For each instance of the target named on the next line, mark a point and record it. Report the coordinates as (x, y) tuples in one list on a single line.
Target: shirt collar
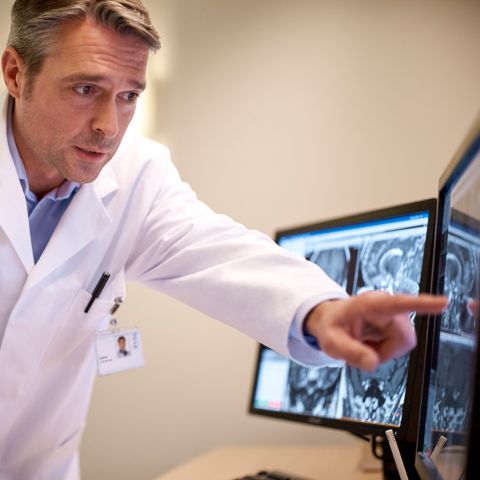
[(64, 191)]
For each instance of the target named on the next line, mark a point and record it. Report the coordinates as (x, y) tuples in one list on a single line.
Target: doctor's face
[(70, 120)]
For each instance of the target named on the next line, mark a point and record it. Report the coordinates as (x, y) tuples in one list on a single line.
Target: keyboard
[(271, 475)]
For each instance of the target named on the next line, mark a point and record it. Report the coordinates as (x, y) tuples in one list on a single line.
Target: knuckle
[(328, 343), (369, 300)]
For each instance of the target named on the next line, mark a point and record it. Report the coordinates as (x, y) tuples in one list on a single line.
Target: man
[(84, 197), (122, 347)]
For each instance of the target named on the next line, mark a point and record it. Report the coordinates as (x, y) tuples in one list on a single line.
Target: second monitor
[(385, 250)]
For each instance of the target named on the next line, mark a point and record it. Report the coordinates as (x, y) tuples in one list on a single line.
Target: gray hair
[(34, 24)]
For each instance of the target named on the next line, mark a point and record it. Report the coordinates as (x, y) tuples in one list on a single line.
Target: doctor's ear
[(14, 73)]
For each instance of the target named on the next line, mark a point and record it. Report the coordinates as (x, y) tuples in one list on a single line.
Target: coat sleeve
[(208, 261)]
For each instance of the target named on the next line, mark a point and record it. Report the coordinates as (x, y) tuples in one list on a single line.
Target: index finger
[(389, 305)]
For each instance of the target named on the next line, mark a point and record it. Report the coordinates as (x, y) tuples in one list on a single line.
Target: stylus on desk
[(396, 455), (438, 448)]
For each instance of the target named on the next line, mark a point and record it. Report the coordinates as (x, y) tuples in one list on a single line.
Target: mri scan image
[(313, 391), (450, 384), (389, 263), (460, 286), (334, 262), (451, 405), (376, 397), (348, 393), (393, 265)]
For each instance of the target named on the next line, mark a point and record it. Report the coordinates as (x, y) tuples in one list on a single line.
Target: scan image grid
[(450, 386), (386, 261)]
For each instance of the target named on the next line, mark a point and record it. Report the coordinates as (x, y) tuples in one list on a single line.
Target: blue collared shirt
[(43, 215)]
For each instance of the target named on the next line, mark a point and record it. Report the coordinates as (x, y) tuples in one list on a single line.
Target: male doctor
[(79, 197)]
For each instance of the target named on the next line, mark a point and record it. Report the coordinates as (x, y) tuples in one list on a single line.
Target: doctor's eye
[(84, 90), (130, 97)]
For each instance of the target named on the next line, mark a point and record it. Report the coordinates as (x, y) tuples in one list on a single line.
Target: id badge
[(118, 350)]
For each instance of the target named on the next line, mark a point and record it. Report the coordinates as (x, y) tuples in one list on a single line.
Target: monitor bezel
[(463, 157), (408, 428)]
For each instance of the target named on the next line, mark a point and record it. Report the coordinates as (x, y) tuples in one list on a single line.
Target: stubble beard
[(78, 171), (73, 168)]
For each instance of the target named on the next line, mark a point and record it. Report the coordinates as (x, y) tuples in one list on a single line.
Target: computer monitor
[(472, 468), (389, 250), (452, 338)]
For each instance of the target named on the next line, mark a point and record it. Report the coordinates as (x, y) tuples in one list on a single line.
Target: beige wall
[(278, 112)]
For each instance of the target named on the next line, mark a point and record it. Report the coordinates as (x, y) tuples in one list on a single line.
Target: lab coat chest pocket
[(77, 331)]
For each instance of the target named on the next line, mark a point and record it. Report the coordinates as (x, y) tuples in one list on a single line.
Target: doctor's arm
[(368, 329), (242, 278)]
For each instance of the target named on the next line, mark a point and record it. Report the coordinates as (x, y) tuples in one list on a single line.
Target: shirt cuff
[(304, 348)]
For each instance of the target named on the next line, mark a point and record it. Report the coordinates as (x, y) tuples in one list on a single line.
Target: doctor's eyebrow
[(88, 78)]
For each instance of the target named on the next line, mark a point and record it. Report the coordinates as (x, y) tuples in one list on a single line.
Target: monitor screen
[(387, 250), (448, 398), (472, 470)]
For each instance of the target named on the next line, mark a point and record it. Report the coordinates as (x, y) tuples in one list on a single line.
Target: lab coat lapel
[(13, 207), (84, 220)]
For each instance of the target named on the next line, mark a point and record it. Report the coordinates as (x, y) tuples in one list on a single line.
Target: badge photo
[(118, 350)]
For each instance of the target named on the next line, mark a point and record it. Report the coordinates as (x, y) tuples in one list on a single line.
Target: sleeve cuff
[(304, 348)]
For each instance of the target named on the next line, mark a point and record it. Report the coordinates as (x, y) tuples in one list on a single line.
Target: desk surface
[(312, 461)]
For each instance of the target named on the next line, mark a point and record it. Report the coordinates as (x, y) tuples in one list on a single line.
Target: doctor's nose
[(105, 121)]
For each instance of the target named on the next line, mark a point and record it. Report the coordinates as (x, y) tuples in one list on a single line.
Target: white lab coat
[(139, 222)]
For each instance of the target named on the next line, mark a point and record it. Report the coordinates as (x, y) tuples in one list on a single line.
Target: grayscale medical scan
[(391, 264), (451, 405), (375, 254)]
